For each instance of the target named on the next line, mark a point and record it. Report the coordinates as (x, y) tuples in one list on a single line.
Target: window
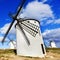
[(42, 49)]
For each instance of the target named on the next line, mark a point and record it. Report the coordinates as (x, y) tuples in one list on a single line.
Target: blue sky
[(46, 11)]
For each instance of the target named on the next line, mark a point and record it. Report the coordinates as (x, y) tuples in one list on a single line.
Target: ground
[(52, 54)]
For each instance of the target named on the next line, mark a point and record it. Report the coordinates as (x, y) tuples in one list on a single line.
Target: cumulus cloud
[(37, 10), (55, 21), (1, 37), (3, 30), (53, 34), (49, 21)]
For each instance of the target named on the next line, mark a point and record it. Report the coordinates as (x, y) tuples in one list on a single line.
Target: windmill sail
[(14, 19)]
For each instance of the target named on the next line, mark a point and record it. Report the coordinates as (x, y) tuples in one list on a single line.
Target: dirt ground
[(11, 56), (49, 56)]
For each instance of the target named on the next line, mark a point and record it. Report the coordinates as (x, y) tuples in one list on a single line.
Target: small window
[(42, 49), (28, 21)]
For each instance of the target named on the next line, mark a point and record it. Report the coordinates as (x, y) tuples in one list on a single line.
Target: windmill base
[(31, 55)]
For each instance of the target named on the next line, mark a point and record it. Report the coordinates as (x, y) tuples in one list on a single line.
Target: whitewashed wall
[(34, 49)]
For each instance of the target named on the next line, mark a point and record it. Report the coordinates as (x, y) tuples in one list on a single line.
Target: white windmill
[(53, 45), (29, 38), (12, 43)]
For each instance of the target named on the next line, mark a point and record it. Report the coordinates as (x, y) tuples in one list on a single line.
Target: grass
[(6, 51), (5, 54), (53, 50), (9, 54), (13, 51)]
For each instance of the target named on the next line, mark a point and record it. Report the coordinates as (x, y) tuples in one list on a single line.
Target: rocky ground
[(52, 54)]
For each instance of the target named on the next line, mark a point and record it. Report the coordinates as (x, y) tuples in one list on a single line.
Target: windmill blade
[(27, 40), (10, 40), (19, 9), (8, 31), (15, 17)]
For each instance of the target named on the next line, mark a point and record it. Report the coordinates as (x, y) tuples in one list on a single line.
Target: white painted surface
[(12, 45), (53, 45), (34, 49)]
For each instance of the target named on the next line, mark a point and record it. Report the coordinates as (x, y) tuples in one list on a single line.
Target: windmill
[(28, 34), (11, 43), (52, 44)]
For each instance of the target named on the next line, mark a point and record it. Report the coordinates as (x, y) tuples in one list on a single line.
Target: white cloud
[(44, 23), (37, 10), (4, 28), (12, 32), (52, 34), (46, 32), (49, 21), (44, 1), (57, 21), (1, 37)]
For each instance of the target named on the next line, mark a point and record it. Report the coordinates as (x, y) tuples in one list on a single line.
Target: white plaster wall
[(34, 49)]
